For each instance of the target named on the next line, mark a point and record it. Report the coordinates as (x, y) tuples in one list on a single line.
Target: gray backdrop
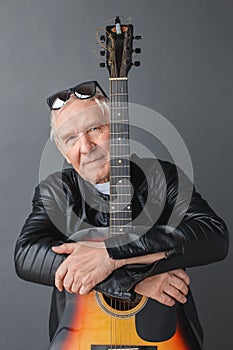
[(186, 75)]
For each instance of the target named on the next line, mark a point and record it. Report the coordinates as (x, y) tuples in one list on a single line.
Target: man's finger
[(60, 275), (66, 248), (59, 283), (179, 284), (166, 300), (182, 275), (75, 287), (175, 294), (67, 282), (84, 289)]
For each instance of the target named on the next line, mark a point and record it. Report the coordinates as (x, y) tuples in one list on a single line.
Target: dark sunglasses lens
[(58, 100), (85, 90)]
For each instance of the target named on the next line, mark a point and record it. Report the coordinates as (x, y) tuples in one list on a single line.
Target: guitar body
[(97, 322), (96, 325)]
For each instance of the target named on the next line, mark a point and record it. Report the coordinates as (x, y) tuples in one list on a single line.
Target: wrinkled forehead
[(80, 116)]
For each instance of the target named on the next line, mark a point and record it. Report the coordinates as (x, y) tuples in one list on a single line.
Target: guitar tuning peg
[(102, 52), (137, 50), (137, 37), (136, 63), (102, 38), (102, 64)]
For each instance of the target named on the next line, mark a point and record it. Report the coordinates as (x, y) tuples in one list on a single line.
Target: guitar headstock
[(118, 46)]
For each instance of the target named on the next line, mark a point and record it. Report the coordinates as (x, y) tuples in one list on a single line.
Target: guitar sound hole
[(122, 305)]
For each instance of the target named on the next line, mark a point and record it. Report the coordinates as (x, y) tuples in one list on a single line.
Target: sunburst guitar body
[(94, 322)]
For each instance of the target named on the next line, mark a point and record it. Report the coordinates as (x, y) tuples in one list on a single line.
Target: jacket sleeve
[(34, 259), (200, 238)]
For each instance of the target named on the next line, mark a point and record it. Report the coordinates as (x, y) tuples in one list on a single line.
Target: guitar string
[(124, 340), (127, 304), (112, 321), (111, 301), (126, 323), (124, 152)]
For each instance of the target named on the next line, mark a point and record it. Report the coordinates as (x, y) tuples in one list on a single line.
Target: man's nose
[(86, 143)]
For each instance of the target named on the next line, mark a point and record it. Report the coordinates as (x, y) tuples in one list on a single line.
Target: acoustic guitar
[(96, 321)]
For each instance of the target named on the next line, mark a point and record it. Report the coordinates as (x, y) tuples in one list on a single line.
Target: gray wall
[(186, 75)]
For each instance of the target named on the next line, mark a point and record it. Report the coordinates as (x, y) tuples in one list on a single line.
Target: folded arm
[(200, 238)]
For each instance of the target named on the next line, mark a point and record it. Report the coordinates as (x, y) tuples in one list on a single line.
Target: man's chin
[(97, 176), (95, 171)]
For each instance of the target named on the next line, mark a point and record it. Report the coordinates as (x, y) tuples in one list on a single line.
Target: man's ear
[(58, 144)]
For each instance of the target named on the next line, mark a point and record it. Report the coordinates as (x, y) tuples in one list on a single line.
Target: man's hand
[(166, 288), (88, 264)]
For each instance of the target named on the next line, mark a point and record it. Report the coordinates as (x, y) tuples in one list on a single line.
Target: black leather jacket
[(64, 203)]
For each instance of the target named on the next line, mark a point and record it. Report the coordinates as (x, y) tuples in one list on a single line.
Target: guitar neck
[(120, 185)]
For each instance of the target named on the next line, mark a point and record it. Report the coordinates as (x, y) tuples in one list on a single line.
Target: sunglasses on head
[(82, 91)]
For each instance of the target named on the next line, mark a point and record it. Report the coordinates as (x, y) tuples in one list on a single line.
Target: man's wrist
[(118, 263), (145, 259)]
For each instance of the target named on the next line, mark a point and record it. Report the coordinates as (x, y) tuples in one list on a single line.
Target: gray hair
[(102, 101)]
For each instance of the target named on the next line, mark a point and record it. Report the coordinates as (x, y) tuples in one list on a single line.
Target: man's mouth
[(93, 161)]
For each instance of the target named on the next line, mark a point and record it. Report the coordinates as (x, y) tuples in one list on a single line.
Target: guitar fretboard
[(120, 186)]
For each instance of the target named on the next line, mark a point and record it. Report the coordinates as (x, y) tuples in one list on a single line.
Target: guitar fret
[(119, 144), (118, 209), (118, 228), (123, 194), (122, 132), (120, 219), (122, 120), (121, 176), (118, 93), (123, 107), (122, 211), (118, 214), (125, 157), (119, 203)]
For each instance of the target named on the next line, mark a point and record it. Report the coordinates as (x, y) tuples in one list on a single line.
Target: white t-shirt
[(104, 188)]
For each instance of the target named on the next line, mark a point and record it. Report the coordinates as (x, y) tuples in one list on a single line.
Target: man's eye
[(69, 139), (94, 129)]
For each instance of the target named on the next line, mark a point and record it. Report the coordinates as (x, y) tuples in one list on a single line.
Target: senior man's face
[(82, 135)]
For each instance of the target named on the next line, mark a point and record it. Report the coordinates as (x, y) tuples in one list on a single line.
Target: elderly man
[(153, 263)]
